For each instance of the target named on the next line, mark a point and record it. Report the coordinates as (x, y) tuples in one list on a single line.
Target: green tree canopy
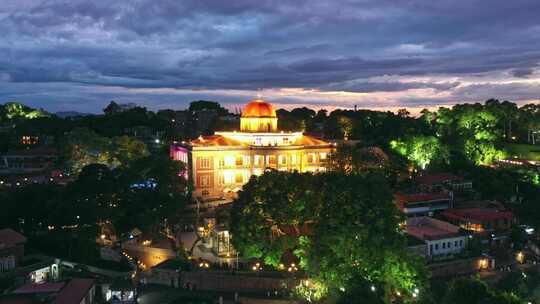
[(346, 228)]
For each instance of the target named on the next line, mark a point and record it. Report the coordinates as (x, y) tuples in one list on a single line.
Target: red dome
[(259, 108)]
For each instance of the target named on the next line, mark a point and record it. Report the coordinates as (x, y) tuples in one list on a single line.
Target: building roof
[(74, 291), (172, 264), (426, 228), (11, 237), (40, 288), (258, 108), (479, 214), (306, 140), (40, 151), (19, 299), (215, 141), (420, 197), (438, 178)]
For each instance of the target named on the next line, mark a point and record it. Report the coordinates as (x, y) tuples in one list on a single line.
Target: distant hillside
[(66, 114)]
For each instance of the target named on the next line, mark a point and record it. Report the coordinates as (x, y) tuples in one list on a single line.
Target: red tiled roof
[(215, 141), (420, 197), (438, 178), (74, 291), (11, 237), (40, 288), (479, 214)]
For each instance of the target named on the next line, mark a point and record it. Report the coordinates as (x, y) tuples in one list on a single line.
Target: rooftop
[(41, 151), (426, 228), (11, 237), (420, 197), (438, 178), (74, 291), (479, 214), (172, 264), (224, 141), (40, 288), (258, 108)]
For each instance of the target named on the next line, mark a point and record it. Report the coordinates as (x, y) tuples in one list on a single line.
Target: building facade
[(11, 249), (220, 164), (442, 239), (423, 204)]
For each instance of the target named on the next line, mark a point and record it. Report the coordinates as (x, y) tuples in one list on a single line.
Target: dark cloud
[(213, 46), (522, 73)]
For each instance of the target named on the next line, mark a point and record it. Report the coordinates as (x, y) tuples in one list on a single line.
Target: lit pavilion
[(220, 164)]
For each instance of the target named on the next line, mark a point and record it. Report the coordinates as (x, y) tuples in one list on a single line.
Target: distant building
[(489, 222), (443, 181), (28, 161), (423, 204), (11, 249), (219, 165), (442, 239), (480, 220)]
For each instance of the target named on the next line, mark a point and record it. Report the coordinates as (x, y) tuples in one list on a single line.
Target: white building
[(441, 238)]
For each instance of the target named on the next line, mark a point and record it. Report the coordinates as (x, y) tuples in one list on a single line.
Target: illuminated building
[(220, 164)]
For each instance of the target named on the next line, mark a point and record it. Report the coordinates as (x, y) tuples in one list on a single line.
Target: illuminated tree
[(483, 152), (15, 110), (346, 228), (346, 126), (83, 147), (421, 150)]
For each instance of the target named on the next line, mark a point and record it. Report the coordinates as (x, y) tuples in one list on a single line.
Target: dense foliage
[(352, 216)]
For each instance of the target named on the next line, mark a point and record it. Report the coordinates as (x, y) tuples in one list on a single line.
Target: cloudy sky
[(78, 54)]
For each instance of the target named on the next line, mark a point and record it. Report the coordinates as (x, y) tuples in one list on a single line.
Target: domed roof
[(259, 108)]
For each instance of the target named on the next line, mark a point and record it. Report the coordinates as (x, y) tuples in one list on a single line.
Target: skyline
[(77, 56)]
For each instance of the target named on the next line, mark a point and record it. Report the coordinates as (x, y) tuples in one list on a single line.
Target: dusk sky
[(71, 55)]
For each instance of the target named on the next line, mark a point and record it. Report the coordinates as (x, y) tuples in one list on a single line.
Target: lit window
[(323, 155), (228, 177), (239, 160), (228, 160), (293, 159), (258, 160), (271, 159), (285, 140), (282, 159), (310, 158), (204, 162), (239, 178), (204, 180)]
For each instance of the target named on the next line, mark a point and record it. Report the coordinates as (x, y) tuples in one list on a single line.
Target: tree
[(346, 126), (343, 228), (403, 113), (421, 150), (467, 291), (112, 108), (482, 152), (125, 149), (83, 147), (201, 105)]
